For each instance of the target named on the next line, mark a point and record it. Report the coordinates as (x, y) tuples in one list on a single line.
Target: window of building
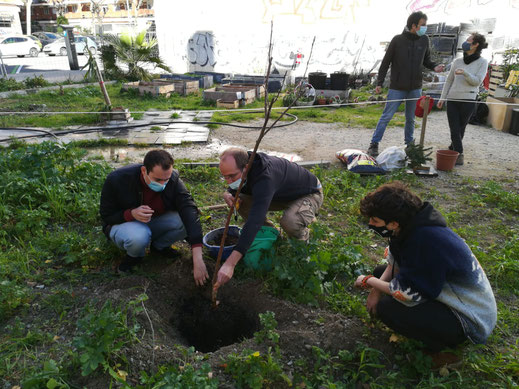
[(85, 7), (120, 7), (46, 10), (5, 21)]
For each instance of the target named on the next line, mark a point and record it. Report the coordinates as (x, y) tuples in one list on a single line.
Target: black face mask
[(382, 231)]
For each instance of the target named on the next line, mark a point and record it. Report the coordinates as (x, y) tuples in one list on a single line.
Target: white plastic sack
[(391, 158)]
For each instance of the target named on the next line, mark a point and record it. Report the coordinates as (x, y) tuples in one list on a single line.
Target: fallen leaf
[(48, 261), (210, 374), (56, 338), (122, 374), (444, 372), (394, 338)]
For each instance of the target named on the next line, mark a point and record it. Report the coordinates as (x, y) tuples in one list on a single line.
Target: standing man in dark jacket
[(149, 203), (273, 184), (406, 53)]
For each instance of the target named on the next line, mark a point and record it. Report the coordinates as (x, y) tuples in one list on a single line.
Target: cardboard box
[(500, 115)]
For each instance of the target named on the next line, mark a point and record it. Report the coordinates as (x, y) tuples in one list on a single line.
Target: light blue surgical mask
[(155, 186), (234, 185), (421, 31)]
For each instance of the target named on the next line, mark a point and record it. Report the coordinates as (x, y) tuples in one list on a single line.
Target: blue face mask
[(465, 46), (421, 31), (234, 185), (155, 186)]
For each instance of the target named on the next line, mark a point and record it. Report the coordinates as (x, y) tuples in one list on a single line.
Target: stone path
[(158, 128)]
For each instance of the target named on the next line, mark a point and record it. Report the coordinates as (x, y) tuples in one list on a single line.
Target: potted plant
[(417, 156), (321, 100)]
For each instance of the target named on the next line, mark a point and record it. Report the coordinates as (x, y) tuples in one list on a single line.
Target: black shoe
[(451, 147), (373, 149), (168, 252), (128, 263)]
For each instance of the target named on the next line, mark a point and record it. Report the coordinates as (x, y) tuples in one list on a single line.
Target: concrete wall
[(232, 35)]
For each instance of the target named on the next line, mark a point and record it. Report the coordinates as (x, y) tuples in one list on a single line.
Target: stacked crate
[(496, 79)]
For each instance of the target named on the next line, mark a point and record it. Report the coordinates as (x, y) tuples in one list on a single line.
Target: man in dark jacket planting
[(272, 184), (406, 54), (149, 203)]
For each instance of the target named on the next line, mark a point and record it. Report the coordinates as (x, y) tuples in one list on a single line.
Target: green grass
[(50, 236), (73, 101)]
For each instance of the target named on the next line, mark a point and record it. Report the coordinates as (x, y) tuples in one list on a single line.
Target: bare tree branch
[(263, 131)]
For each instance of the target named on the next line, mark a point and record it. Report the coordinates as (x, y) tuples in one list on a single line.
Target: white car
[(18, 45), (58, 47)]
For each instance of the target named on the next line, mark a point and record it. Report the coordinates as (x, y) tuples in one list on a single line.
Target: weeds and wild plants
[(50, 236)]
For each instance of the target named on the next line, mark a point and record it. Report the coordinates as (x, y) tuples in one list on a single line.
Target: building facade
[(10, 17)]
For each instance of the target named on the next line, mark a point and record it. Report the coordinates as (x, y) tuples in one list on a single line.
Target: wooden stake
[(424, 119)]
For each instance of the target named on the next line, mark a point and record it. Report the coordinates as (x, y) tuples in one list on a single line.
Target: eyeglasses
[(231, 176)]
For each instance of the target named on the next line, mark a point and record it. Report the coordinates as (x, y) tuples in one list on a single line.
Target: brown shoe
[(444, 359), (459, 161)]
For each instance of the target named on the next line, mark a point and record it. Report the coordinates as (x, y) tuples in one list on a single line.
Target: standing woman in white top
[(462, 87)]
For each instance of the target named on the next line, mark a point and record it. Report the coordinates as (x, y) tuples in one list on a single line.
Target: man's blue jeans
[(161, 231), (391, 108)]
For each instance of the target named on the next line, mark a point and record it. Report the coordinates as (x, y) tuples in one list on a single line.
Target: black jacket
[(122, 190), (406, 53), (272, 179)]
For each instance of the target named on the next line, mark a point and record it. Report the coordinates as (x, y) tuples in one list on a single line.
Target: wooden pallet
[(227, 104)]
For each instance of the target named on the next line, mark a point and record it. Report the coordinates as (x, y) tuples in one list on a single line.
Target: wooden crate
[(185, 87), (259, 89), (496, 79), (500, 115), (156, 88), (223, 95), (227, 104), (246, 92)]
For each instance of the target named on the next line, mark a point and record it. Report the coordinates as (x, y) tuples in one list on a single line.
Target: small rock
[(40, 286), (308, 346)]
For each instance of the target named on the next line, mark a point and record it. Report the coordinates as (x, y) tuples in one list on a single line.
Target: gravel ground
[(488, 152)]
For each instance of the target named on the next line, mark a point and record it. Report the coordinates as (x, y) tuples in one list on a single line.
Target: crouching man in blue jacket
[(433, 288), (148, 204)]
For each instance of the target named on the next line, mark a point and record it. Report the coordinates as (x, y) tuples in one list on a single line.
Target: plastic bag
[(358, 161), (261, 251), (391, 158)]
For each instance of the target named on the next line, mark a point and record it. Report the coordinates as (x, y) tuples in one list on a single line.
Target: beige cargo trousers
[(297, 216)]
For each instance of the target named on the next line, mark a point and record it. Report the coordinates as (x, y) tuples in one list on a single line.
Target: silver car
[(58, 47)]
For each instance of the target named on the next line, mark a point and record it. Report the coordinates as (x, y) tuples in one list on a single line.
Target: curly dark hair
[(392, 202), (158, 157), (478, 38)]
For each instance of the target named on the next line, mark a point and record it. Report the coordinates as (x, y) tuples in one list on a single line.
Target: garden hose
[(96, 129)]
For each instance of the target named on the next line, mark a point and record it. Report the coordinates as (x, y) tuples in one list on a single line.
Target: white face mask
[(234, 185)]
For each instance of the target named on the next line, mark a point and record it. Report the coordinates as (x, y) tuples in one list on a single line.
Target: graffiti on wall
[(201, 50), (312, 11), (347, 52), (452, 6)]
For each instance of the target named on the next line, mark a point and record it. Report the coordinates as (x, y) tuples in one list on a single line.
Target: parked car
[(46, 37), (58, 47), (38, 42), (18, 45)]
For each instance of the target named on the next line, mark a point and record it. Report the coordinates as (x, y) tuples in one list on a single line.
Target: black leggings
[(431, 322), (458, 114)]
